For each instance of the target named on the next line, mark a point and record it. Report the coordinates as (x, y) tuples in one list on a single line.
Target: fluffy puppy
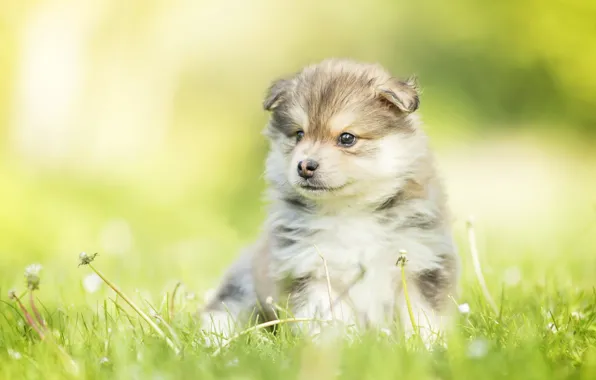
[(351, 179)]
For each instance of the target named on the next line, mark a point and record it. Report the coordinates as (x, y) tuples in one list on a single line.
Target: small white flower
[(190, 296), (104, 360), (16, 355), (477, 348), (385, 332), (269, 300), (464, 308), (12, 294), (578, 315), (32, 276), (512, 276), (92, 283), (552, 327)]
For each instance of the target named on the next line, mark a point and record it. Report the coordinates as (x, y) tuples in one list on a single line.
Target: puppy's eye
[(347, 139), (299, 135)]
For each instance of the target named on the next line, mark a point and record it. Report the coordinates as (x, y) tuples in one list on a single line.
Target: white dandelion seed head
[(477, 348), (33, 270), (12, 294), (512, 276), (464, 308), (269, 300), (190, 296), (92, 283), (16, 355), (32, 276)]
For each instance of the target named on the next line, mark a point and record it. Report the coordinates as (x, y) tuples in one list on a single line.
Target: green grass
[(542, 330)]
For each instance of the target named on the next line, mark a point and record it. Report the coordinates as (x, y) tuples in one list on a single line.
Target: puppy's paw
[(217, 327)]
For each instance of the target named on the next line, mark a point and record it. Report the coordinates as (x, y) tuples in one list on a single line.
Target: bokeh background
[(132, 129)]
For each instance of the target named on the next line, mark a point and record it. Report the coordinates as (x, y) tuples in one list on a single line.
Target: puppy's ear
[(275, 94), (403, 94)]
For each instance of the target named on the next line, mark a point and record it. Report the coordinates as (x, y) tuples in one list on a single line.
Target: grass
[(540, 331)]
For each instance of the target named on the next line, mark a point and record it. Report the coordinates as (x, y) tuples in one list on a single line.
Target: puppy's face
[(341, 129)]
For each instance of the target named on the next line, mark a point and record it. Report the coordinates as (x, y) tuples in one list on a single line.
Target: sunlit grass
[(539, 332)]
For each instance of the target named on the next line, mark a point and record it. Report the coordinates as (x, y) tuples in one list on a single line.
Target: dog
[(351, 184)]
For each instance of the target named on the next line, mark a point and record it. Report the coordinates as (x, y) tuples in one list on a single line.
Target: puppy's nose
[(306, 168)]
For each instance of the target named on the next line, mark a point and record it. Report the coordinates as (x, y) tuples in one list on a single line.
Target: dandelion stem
[(477, 268), (29, 318), (35, 310), (137, 309), (328, 282), (402, 263)]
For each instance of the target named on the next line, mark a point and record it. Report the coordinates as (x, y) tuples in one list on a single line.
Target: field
[(131, 129), (536, 243)]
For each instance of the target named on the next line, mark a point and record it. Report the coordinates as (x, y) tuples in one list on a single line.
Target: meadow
[(132, 130)]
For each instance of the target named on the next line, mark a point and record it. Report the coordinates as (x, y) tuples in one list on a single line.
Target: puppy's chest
[(348, 245)]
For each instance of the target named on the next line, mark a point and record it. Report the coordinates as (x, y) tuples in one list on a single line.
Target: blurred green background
[(132, 128)]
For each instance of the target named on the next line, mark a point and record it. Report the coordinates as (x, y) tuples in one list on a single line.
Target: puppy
[(351, 184)]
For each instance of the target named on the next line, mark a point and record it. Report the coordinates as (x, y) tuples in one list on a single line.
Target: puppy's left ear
[(275, 94), (403, 94)]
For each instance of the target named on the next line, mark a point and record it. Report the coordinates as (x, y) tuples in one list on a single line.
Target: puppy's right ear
[(275, 94)]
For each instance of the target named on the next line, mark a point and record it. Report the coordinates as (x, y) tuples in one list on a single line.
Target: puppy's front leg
[(315, 302), (234, 303), (429, 293)]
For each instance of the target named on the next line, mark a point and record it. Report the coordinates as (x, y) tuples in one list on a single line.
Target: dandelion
[(478, 348), (464, 308), (190, 296), (32, 276), (512, 276), (16, 355), (12, 294), (578, 315), (92, 283), (85, 259)]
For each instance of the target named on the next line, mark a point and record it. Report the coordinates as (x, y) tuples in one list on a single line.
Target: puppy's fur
[(363, 204)]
